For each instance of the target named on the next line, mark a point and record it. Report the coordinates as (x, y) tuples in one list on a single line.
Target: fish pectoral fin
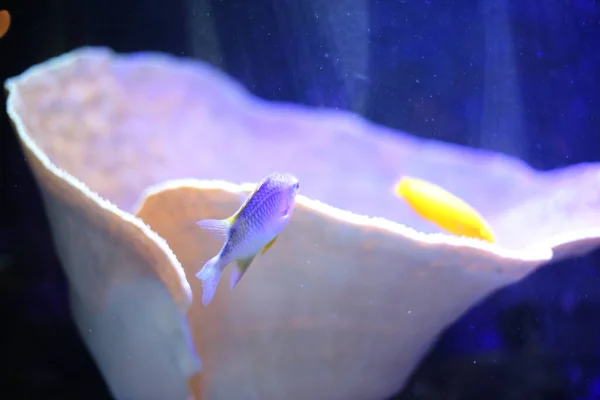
[(239, 270), (218, 228), (268, 245)]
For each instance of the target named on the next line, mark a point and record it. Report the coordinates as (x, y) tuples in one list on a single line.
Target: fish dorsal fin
[(235, 216), (239, 270), (268, 245), (218, 228)]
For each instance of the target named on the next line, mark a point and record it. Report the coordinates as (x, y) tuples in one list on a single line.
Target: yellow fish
[(444, 209)]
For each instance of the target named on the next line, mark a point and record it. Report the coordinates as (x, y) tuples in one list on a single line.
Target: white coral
[(343, 306)]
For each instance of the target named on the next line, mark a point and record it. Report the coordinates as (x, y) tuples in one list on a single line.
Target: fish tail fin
[(210, 274)]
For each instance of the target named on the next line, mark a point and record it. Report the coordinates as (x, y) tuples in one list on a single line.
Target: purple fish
[(252, 229)]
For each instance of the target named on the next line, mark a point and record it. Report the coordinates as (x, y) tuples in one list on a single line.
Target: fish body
[(441, 207), (251, 230), (4, 22)]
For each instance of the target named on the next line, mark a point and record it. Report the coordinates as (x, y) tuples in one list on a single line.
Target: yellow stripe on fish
[(444, 209)]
